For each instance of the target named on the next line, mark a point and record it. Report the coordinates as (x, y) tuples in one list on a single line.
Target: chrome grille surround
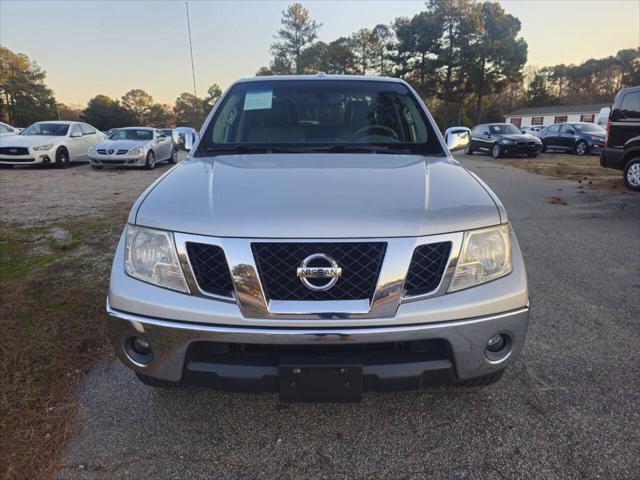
[(250, 296)]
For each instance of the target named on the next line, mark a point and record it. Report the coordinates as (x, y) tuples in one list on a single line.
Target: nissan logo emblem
[(319, 266)]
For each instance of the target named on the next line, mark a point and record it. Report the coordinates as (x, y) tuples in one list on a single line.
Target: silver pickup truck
[(319, 241)]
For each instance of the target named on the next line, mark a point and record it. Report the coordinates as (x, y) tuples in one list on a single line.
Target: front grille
[(426, 268), (210, 268), (360, 263), (14, 151), (102, 152), (122, 152)]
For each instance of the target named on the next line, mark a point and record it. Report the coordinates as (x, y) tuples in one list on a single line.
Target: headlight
[(507, 141), (91, 149), (44, 147), (137, 151), (485, 256), (151, 257)]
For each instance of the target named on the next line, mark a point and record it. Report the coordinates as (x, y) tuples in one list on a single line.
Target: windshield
[(132, 134), (588, 128), (504, 128), (54, 129), (302, 114), (167, 131)]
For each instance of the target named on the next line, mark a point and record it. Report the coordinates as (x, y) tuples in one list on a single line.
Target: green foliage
[(24, 97), (104, 113), (297, 32)]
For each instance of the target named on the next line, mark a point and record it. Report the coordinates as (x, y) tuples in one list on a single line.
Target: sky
[(111, 46)]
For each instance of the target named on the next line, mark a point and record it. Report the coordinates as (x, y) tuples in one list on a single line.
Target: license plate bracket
[(308, 380)]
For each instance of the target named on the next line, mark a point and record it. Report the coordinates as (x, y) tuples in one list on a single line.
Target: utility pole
[(193, 70)]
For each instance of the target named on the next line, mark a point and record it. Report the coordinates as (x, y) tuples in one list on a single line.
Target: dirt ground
[(585, 170)]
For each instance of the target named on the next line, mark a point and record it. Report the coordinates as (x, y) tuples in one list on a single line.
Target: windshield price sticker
[(258, 99)]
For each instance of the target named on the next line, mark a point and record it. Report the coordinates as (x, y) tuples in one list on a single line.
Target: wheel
[(150, 162), (582, 148), (484, 380), (154, 382), (532, 155), (496, 151), (6, 165), (468, 150), (62, 158), (632, 175), (544, 148), (174, 156)]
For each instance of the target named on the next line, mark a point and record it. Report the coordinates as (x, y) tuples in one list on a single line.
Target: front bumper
[(173, 360), (116, 160), (517, 149), (32, 158)]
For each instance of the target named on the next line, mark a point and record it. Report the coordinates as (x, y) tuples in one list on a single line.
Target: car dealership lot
[(567, 409)]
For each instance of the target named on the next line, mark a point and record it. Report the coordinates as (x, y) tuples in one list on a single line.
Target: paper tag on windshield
[(258, 99)]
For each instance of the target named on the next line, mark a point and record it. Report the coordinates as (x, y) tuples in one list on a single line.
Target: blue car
[(579, 137)]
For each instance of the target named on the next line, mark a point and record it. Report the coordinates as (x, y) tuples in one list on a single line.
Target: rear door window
[(630, 105)]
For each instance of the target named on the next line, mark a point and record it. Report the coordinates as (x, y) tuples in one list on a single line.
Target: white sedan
[(56, 142), (133, 147)]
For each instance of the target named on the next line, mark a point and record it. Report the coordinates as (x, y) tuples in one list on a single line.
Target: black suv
[(622, 146), (500, 139), (578, 137)]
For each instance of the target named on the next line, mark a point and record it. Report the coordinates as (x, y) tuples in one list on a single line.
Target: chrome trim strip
[(302, 335), (250, 296), (181, 247)]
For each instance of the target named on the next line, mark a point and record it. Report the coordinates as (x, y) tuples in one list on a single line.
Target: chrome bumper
[(467, 339)]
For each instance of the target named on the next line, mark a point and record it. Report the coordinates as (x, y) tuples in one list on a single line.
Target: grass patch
[(53, 283)]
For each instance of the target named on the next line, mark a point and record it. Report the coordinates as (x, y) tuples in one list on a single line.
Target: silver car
[(133, 147), (319, 241)]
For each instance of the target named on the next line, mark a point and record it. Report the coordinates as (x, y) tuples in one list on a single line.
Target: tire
[(6, 166), (632, 175), (581, 148), (496, 151), (150, 162), (174, 157), (484, 380), (62, 158), (544, 148), (468, 150), (154, 382), (532, 155)]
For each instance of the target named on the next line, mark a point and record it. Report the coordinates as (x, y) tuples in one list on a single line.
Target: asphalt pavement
[(568, 408)]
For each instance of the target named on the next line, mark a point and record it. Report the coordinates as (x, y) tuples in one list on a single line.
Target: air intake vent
[(427, 267), (210, 269)]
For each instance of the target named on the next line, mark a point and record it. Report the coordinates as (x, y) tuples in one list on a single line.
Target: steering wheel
[(368, 129)]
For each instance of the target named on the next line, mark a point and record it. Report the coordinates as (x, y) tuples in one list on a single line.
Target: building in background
[(543, 116)]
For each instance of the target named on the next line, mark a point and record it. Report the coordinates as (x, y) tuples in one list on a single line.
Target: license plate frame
[(311, 380)]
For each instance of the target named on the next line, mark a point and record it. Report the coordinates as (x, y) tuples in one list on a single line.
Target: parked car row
[(499, 139), (61, 142)]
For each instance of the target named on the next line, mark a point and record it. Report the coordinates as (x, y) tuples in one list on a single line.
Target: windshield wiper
[(237, 148)]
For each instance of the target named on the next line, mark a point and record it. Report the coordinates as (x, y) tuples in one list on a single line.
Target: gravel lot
[(569, 408)]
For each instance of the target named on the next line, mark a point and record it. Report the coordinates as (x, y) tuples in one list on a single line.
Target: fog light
[(140, 346), (139, 351), (498, 347), (496, 343)]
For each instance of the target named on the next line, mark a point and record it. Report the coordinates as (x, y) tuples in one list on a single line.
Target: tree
[(297, 32), (160, 116), (499, 54), (104, 113), (139, 103), (188, 111), (362, 43), (381, 37), (24, 96), (66, 112), (213, 94)]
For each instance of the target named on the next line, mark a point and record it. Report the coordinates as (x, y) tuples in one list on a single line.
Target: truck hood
[(317, 196)]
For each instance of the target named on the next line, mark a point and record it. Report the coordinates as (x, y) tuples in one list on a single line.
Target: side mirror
[(183, 138), (458, 140)]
